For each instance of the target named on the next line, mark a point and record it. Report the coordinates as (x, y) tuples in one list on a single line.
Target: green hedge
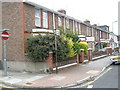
[(84, 45), (39, 46)]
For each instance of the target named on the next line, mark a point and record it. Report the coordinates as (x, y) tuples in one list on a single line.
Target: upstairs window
[(100, 35), (59, 21), (87, 31), (80, 32), (76, 27), (45, 19), (67, 23), (37, 18)]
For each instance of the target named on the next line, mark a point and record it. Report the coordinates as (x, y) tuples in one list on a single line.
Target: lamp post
[(113, 34)]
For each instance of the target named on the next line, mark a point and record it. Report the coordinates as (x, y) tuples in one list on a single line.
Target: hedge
[(39, 46)]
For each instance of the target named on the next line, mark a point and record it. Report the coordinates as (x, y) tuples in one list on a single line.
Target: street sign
[(5, 35)]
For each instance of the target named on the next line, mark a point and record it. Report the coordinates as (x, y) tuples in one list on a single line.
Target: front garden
[(68, 46)]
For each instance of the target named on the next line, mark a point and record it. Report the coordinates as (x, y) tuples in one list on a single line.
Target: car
[(115, 59)]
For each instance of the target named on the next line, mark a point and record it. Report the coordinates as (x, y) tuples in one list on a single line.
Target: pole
[(113, 35), (5, 63), (56, 64)]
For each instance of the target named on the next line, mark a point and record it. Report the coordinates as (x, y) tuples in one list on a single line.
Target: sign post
[(5, 36)]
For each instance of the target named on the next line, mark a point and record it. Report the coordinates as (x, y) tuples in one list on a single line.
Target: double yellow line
[(6, 86)]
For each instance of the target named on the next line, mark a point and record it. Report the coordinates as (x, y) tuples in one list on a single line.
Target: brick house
[(25, 18)]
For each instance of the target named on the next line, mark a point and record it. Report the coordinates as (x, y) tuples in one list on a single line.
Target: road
[(5, 87), (109, 79)]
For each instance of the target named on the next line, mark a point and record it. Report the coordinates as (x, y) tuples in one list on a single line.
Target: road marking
[(92, 72), (5, 86), (34, 78), (90, 86), (88, 83), (12, 81), (58, 78)]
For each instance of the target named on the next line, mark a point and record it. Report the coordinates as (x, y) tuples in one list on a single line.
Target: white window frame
[(59, 21), (45, 19), (37, 17), (96, 34), (100, 34), (80, 32), (76, 27), (89, 34), (67, 24), (87, 31)]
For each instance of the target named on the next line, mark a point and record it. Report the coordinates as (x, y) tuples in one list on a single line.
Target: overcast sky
[(101, 12)]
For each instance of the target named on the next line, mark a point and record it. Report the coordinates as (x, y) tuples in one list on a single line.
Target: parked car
[(115, 59)]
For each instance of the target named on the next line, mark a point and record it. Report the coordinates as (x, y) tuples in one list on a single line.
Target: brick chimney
[(87, 21), (94, 24), (62, 11)]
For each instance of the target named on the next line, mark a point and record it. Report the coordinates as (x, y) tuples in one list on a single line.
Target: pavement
[(65, 78)]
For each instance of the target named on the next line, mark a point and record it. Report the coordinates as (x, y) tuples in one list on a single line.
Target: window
[(87, 31), (59, 21), (100, 34), (67, 23), (96, 35), (37, 18), (45, 19), (76, 27), (90, 32), (80, 29)]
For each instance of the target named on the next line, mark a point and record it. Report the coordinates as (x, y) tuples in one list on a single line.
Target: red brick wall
[(50, 20), (29, 17), (56, 21), (12, 15), (71, 24)]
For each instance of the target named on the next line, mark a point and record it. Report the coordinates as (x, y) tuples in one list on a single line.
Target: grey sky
[(101, 12)]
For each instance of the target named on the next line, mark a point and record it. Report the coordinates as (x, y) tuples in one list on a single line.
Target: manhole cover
[(28, 83)]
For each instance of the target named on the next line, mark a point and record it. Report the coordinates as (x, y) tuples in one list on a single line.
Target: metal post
[(5, 63), (113, 35), (56, 64)]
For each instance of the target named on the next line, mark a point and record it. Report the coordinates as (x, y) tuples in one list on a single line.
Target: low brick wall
[(99, 53), (67, 61)]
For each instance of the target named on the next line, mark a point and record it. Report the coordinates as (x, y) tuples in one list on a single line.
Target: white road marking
[(88, 83), (90, 86), (92, 72), (34, 78), (12, 81), (58, 78)]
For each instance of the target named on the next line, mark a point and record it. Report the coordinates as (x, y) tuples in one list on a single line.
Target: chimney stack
[(62, 11), (87, 21)]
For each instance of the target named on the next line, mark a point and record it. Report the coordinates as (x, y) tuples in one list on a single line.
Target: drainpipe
[(64, 25), (54, 21)]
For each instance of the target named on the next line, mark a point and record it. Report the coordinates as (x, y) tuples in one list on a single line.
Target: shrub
[(69, 34), (70, 46), (38, 47), (104, 45), (84, 45), (76, 48)]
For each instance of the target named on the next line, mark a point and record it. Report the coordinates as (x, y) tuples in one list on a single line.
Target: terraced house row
[(27, 17)]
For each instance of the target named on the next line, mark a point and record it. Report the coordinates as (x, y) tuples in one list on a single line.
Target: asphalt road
[(109, 79)]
